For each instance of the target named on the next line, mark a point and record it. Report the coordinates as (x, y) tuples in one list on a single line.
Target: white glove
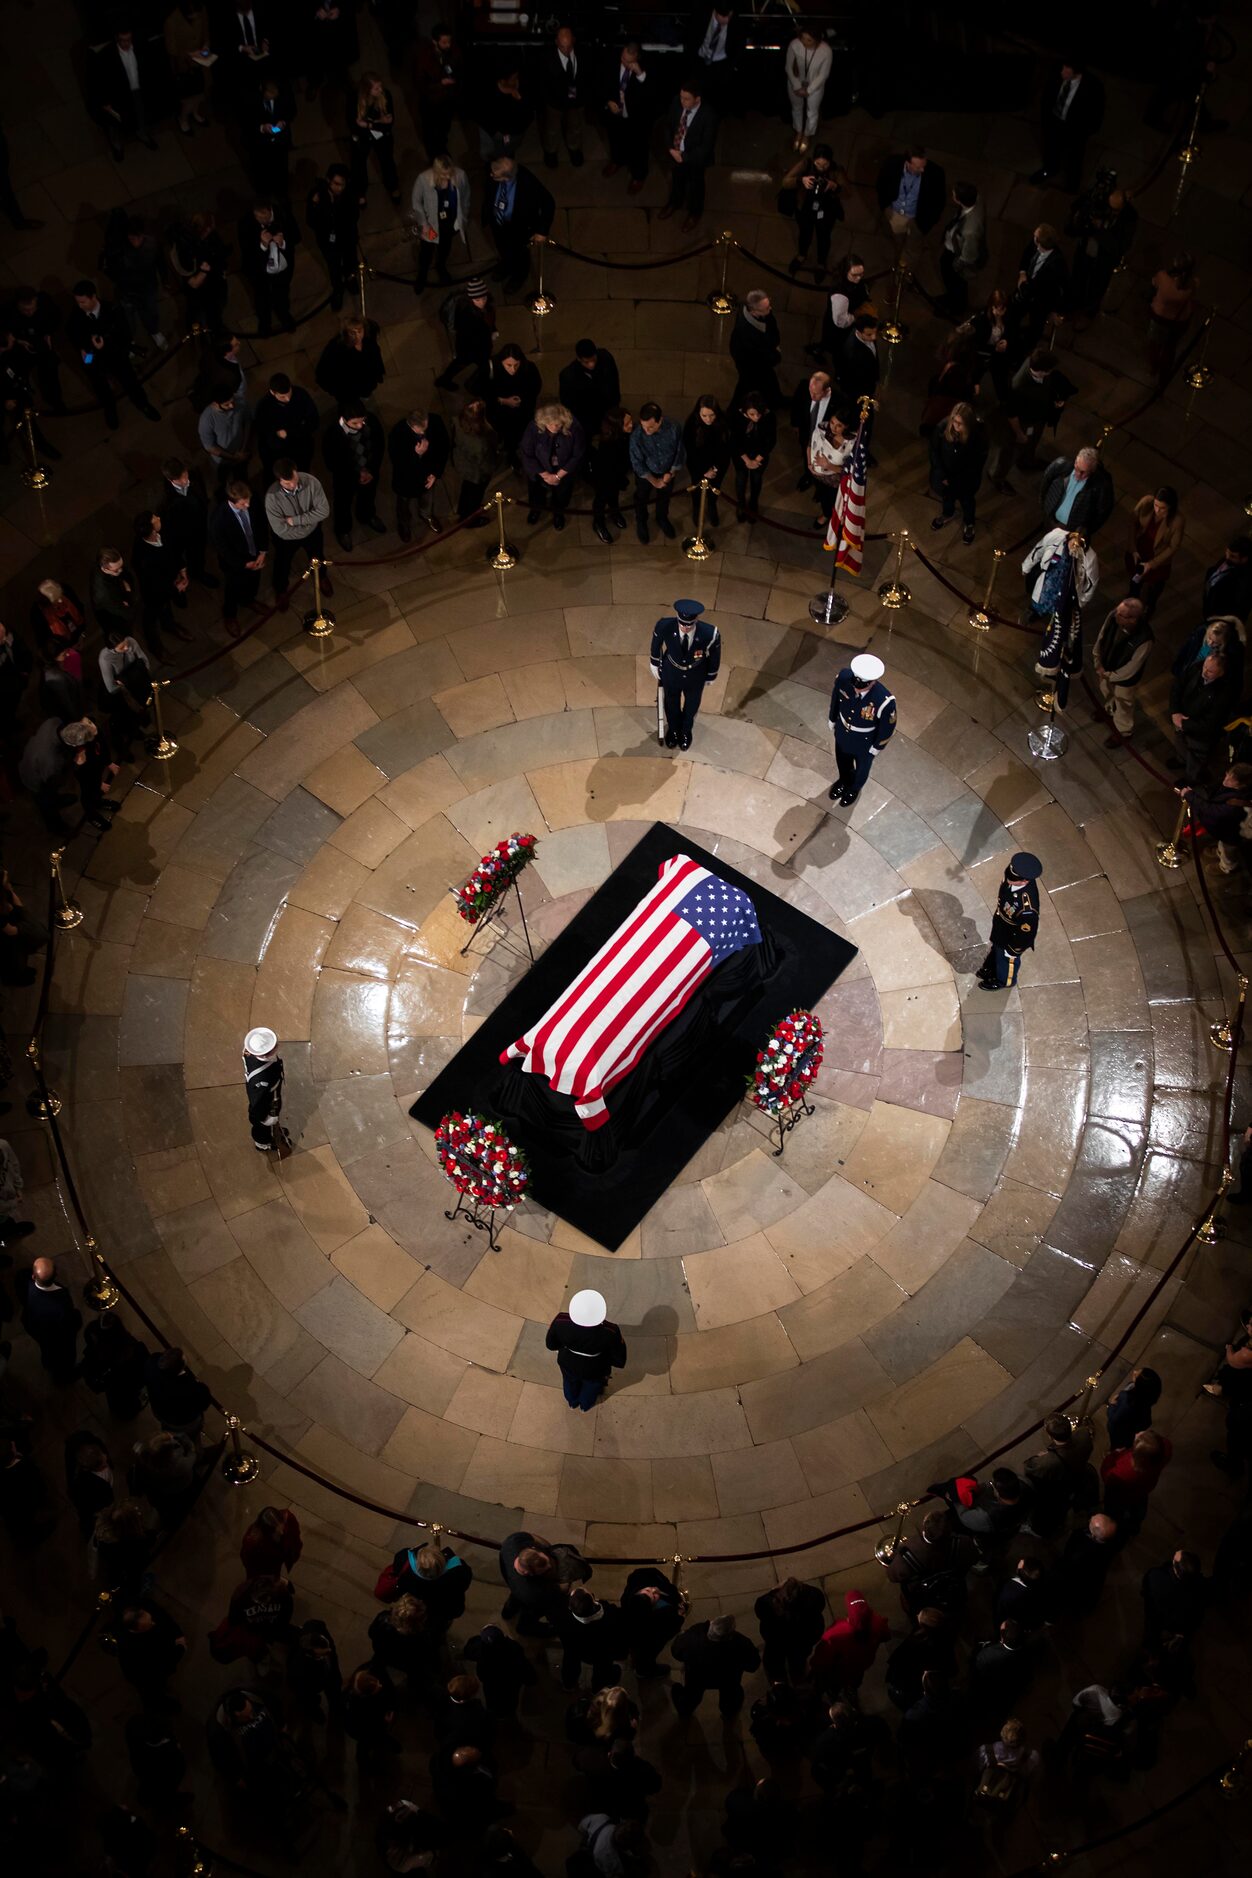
[(656, 672)]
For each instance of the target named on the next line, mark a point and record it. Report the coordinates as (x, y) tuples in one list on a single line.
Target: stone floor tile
[(542, 1418), (803, 1520), (153, 1014), (753, 1192), (829, 1232), (349, 1031), (840, 1452), (1089, 908), (169, 1178), (681, 1222), (196, 1237), (1053, 1105), (929, 1080), (328, 884), (160, 950), (637, 1427), (343, 1319), (852, 1024), (296, 747), (298, 827), (735, 1353), (822, 1390), (977, 1147), (183, 896), (924, 1018), (272, 1239), (345, 780), (734, 1282), (682, 1488), (369, 834), (570, 794), (846, 1307), (647, 1297), (895, 1153), (505, 1471), (959, 1293), (287, 975), (245, 1312), (466, 1326), (749, 1479), (963, 1379), (926, 1236), (381, 1270), (994, 1056), (368, 944), (1046, 1291), (1014, 1221), (526, 1276), (484, 1402), (239, 1176)]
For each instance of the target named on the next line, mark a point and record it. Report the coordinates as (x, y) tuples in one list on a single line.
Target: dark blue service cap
[(1025, 866), (688, 609)]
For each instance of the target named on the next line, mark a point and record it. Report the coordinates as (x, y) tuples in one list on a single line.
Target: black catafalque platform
[(603, 1182)]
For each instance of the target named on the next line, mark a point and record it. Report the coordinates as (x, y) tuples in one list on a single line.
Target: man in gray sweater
[(295, 508)]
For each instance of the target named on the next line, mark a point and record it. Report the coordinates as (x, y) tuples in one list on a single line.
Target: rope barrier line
[(1207, 897), (1053, 1859)]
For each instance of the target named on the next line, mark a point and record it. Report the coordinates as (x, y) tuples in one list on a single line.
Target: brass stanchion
[(1247, 508), (35, 476), (1199, 374), (696, 547), (1231, 1779), (721, 301), (1104, 436), (69, 914), (541, 303), (319, 624), (504, 555), (1211, 1228), (892, 331), (1190, 151), (980, 616), (885, 1550), (100, 1290), (238, 1468), (1167, 851), (1083, 1412), (1222, 1034), (194, 1863), (42, 1102), (362, 269), (894, 593), (165, 747), (676, 1562)]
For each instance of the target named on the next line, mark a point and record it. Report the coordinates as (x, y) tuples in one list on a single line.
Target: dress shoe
[(690, 222), (835, 792), (967, 534), (610, 169), (633, 188), (684, 742), (558, 522), (376, 523), (939, 521), (671, 740), (150, 412), (618, 519), (345, 543), (641, 529), (667, 528), (601, 533), (664, 214)]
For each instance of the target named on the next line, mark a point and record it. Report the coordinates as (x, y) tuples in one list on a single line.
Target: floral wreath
[(479, 1159), (787, 1065), (494, 874)]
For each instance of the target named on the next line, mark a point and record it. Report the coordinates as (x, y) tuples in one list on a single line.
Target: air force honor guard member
[(686, 653), (1014, 923), (863, 718)]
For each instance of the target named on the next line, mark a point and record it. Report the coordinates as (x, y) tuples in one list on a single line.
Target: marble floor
[(991, 1185)]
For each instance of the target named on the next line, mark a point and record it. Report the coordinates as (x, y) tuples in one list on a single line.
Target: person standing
[(32, 319), (1119, 657), (1077, 492), (911, 193), (552, 448), (470, 316), (102, 335), (1042, 292), (475, 458), (332, 216), (123, 85), (1227, 589), (652, 1607), (590, 385), (263, 1085), (240, 536), (807, 65), (353, 448), (12, 1185), (753, 435), (53, 1320), (1071, 110), (1044, 572), (706, 440), (268, 238), (790, 1618), (295, 508), (714, 1656), (1174, 289), (1156, 532), (656, 456), (351, 367), (817, 185), (225, 431), (686, 655), (958, 453), (846, 1650), (964, 250), (1199, 704), (1104, 222), (509, 383), (561, 92), (609, 468), (441, 207), (184, 512), (517, 211), (628, 120), (691, 130), (374, 134), (1014, 924), (286, 425), (418, 449), (589, 1347), (163, 583), (756, 347), (863, 720), (712, 47)]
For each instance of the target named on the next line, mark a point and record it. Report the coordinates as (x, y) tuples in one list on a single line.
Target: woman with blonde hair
[(958, 454), (351, 367), (553, 446), (374, 132), (441, 206), (57, 615)]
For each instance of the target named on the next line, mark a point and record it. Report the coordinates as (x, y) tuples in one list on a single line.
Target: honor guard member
[(863, 719), (1014, 924), (588, 1347), (263, 1080), (686, 654)]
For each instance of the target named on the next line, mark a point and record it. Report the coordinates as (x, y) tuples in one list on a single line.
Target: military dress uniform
[(686, 653), (263, 1080), (1014, 924), (863, 719)]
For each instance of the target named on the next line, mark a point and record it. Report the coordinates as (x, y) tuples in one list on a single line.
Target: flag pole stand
[(698, 547), (1049, 742)]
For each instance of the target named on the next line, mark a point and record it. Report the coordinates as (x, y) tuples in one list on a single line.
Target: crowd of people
[(881, 1728)]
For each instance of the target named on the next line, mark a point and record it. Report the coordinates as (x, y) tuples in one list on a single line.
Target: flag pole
[(828, 608)]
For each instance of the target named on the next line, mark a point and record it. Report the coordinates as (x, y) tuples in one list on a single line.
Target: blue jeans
[(581, 1392)]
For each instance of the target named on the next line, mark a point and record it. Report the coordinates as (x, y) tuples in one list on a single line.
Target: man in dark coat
[(1199, 704), (1042, 283), (714, 1656), (562, 90), (529, 1568), (1228, 583), (1077, 492), (589, 386), (912, 191), (184, 511), (417, 448), (516, 208), (1000, 1670), (691, 134), (686, 654), (1085, 1563), (240, 536), (102, 335), (862, 722), (53, 1320), (263, 1082), (652, 1606), (268, 238), (930, 1567), (122, 83), (1175, 1599), (756, 348), (332, 215), (593, 1633), (353, 448), (1071, 109), (588, 1347), (285, 424), (856, 364)]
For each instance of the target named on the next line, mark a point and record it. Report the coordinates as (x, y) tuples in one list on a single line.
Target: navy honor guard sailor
[(686, 654), (863, 719), (1014, 924)]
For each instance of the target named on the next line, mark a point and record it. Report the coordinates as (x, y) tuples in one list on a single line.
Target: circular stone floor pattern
[(945, 1249)]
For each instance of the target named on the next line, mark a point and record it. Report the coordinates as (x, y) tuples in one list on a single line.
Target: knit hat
[(476, 289)]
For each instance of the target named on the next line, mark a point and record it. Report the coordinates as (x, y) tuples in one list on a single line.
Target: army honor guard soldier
[(686, 654), (1014, 924), (863, 719)]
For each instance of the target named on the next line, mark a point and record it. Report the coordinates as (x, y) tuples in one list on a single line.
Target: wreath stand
[(481, 1216), (785, 1119), (490, 916)]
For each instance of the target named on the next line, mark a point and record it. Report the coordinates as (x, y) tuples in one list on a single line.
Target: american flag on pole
[(636, 984), (847, 517)]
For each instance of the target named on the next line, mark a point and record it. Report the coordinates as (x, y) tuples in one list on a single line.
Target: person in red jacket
[(272, 1543), (1129, 1475), (843, 1654)]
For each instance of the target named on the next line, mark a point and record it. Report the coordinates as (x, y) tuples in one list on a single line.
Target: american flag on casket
[(637, 983)]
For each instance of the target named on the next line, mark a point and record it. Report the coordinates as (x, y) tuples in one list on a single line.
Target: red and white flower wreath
[(481, 1162), (788, 1063), (494, 874)]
